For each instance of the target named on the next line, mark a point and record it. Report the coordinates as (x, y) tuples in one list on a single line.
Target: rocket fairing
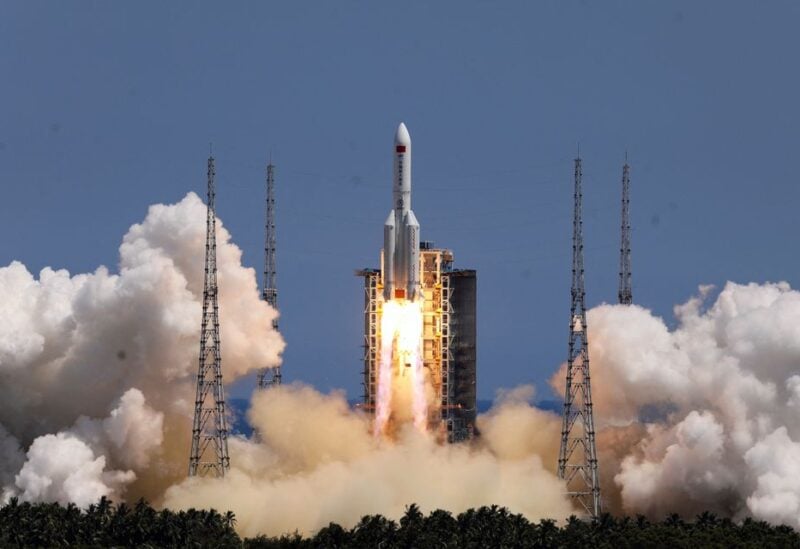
[(401, 230)]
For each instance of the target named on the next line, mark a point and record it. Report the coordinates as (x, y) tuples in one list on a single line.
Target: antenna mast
[(210, 430), (625, 285), (577, 460), (269, 377)]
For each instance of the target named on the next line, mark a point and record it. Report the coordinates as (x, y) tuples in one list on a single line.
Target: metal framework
[(625, 286), (372, 337), (270, 377), (437, 340), (209, 454), (577, 460), (447, 370)]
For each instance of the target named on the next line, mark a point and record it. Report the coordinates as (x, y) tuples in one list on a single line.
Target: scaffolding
[(372, 341), (462, 350), (446, 375)]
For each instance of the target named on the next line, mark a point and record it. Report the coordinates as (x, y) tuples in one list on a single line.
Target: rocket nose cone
[(401, 137)]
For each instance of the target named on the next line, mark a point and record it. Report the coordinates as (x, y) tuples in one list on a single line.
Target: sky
[(108, 107)]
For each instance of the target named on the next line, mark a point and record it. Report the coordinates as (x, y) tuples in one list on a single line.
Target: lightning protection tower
[(625, 289), (270, 377), (577, 460), (210, 429)]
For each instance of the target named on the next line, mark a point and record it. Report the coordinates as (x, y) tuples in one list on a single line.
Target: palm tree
[(333, 536), (548, 532), (229, 519), (441, 529), (675, 521), (707, 519), (373, 529), (411, 527)]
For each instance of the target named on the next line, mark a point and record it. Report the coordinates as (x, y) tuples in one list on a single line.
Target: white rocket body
[(401, 230)]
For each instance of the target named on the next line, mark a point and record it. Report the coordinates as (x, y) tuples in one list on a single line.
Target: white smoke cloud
[(63, 468), (77, 348), (689, 457), (723, 388), (775, 462), (71, 466), (132, 433)]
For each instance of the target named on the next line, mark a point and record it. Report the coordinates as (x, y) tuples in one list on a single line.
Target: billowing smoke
[(318, 462), (97, 370), (718, 397), (64, 468), (97, 385), (71, 466)]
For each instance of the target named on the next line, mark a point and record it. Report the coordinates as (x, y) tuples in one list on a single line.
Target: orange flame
[(400, 370)]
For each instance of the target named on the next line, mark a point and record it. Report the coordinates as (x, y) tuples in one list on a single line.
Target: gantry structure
[(270, 377), (577, 459), (209, 454)]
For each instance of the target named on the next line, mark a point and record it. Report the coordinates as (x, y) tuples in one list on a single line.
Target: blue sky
[(107, 107)]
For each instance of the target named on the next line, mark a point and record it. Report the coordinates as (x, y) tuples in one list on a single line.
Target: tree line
[(105, 524)]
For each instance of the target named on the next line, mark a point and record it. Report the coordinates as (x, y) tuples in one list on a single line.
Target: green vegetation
[(108, 525)]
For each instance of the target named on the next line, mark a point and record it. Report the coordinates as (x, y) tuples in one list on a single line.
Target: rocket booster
[(401, 230)]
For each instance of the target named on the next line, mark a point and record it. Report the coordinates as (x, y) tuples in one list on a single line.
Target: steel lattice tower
[(210, 429), (577, 460), (625, 286), (269, 377)]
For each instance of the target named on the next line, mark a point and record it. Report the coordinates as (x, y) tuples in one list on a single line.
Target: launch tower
[(577, 459), (625, 286), (209, 452), (270, 377)]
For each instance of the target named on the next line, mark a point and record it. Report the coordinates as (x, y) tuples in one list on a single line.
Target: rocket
[(401, 230)]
